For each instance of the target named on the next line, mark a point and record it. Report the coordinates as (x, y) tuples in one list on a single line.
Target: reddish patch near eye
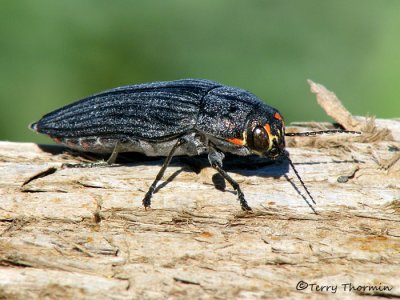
[(235, 141), (278, 116), (267, 128)]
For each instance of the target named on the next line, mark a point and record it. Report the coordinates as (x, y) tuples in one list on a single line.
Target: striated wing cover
[(152, 111)]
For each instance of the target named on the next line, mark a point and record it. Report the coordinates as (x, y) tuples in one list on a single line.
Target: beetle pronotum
[(182, 117)]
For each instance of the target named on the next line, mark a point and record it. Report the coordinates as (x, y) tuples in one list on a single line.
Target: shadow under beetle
[(182, 117)]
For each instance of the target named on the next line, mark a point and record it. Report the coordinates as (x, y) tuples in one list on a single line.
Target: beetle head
[(266, 136)]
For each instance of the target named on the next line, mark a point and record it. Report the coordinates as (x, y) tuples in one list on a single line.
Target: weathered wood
[(83, 233)]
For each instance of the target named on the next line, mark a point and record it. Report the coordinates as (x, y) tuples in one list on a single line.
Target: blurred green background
[(55, 52)]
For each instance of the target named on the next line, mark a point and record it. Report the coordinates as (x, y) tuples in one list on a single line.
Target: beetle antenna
[(301, 180), (313, 133)]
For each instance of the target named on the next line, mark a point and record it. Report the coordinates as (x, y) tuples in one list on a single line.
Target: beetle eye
[(260, 141)]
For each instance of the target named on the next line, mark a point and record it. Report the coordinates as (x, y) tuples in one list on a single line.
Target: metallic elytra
[(182, 117)]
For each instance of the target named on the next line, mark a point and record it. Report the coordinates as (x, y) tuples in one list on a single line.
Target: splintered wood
[(83, 233), (333, 106)]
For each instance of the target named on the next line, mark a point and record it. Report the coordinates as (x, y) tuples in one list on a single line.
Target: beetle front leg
[(147, 198), (215, 158)]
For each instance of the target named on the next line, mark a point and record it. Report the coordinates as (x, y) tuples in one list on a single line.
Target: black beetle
[(182, 117)]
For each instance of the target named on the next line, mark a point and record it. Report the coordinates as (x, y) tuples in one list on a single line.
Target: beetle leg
[(113, 157), (147, 198), (215, 158), (111, 160)]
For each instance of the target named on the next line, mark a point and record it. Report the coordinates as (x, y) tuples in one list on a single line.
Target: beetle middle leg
[(147, 198), (215, 158)]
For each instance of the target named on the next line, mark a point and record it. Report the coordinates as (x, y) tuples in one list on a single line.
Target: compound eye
[(260, 139)]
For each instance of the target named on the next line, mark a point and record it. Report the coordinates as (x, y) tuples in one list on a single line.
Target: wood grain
[(83, 233)]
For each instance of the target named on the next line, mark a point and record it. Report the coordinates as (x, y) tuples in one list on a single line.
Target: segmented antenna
[(301, 180), (313, 133)]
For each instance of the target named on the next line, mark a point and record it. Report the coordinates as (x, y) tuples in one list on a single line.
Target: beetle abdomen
[(107, 145), (155, 111)]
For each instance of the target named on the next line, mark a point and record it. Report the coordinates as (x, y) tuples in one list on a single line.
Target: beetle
[(182, 117)]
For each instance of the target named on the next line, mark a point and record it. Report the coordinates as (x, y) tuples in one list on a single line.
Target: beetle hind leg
[(110, 161), (215, 158)]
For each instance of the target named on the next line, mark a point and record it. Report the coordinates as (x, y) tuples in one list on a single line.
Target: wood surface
[(82, 233)]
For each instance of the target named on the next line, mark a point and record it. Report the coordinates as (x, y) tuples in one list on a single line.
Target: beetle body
[(149, 118), (182, 117)]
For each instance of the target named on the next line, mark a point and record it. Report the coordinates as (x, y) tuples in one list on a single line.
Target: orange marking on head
[(278, 116), (267, 128), (236, 141)]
